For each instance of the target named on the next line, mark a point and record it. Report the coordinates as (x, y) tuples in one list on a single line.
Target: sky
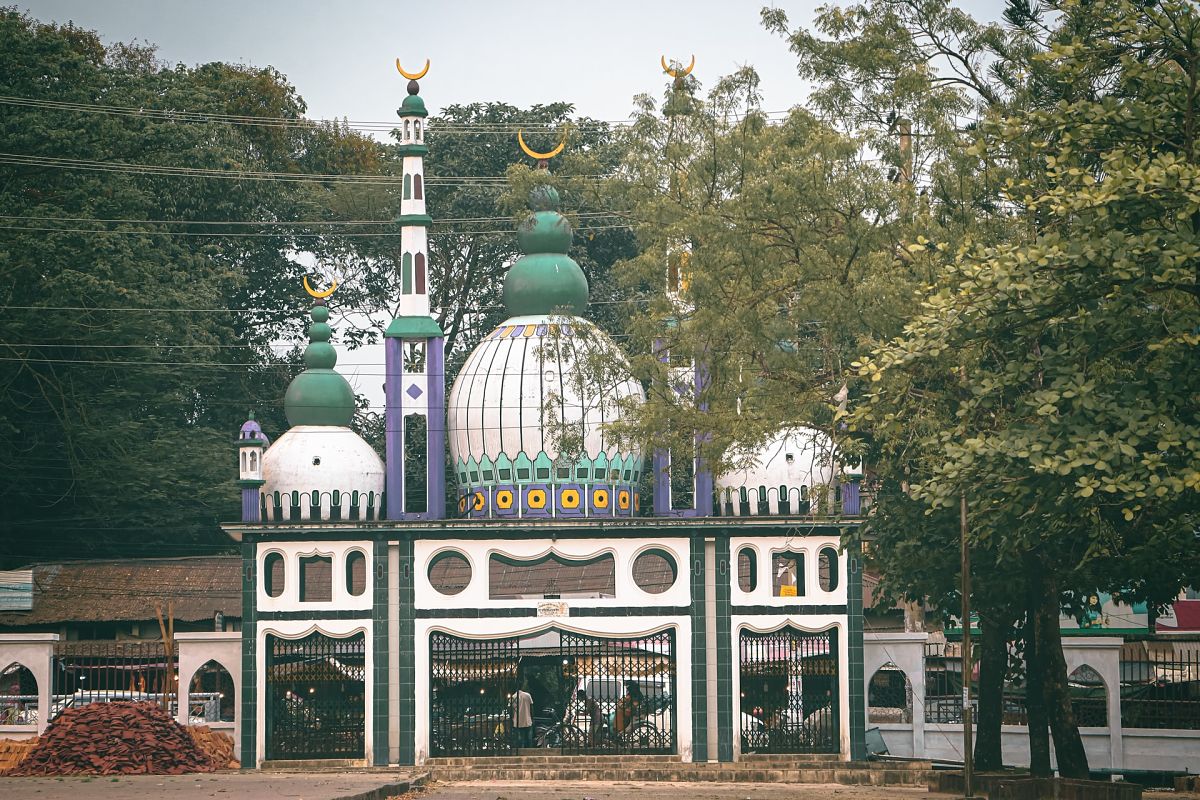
[(341, 55)]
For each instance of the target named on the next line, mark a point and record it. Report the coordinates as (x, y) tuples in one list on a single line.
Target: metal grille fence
[(472, 681), (107, 671), (627, 703), (1160, 685), (789, 691), (316, 697)]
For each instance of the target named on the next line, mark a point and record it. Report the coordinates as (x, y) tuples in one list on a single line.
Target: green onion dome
[(319, 395), (545, 279)]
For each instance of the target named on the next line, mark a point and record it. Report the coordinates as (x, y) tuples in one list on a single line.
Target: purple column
[(394, 426), (251, 508), (851, 499), (704, 478), (435, 454), (662, 484)]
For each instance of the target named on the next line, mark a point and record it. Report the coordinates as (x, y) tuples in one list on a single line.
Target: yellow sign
[(787, 591)]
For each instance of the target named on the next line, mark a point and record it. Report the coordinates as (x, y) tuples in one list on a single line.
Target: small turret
[(250, 444)]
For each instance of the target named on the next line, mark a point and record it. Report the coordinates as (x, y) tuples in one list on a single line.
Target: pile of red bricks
[(115, 739)]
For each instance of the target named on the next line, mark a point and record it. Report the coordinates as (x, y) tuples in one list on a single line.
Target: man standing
[(523, 716)]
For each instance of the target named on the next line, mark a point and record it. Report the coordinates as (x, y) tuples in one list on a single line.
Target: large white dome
[(785, 476), (525, 383), (329, 462)]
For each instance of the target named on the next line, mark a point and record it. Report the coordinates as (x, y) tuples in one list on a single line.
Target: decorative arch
[(889, 695), (212, 694), (1089, 696), (18, 695)]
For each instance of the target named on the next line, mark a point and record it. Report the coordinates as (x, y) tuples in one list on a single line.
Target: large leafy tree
[(1077, 424), (134, 333)]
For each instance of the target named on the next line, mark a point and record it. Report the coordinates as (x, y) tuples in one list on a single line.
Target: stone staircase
[(751, 769)]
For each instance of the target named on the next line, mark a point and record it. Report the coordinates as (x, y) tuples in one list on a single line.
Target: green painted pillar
[(854, 652), (379, 654), (249, 699), (725, 719), (699, 674)]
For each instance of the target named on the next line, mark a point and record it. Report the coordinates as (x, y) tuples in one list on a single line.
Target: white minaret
[(414, 344)]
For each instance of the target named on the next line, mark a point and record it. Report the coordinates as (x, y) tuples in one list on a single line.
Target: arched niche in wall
[(211, 695), (551, 576), (273, 574), (356, 573)]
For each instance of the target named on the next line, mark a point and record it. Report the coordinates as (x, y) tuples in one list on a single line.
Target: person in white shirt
[(522, 712)]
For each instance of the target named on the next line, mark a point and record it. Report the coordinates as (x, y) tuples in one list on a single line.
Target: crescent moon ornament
[(675, 73), (319, 295), (413, 76), (540, 156)]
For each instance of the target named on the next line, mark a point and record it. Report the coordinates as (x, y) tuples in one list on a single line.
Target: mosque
[(382, 628)]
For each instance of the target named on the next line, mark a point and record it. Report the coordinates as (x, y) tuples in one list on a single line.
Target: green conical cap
[(319, 395), (545, 279)]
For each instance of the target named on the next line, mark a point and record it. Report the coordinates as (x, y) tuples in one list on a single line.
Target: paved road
[(561, 790), (222, 786)]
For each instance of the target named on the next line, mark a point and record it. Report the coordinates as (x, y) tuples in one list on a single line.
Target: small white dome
[(332, 461), (522, 384), (783, 472)]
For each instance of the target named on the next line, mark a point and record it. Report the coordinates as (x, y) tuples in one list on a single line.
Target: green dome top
[(319, 395), (413, 106), (545, 279)]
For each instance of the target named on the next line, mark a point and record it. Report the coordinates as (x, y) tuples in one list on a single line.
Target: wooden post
[(167, 630)]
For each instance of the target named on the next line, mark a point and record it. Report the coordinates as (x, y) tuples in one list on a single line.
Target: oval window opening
[(449, 573), (827, 565), (654, 571), (356, 573), (747, 569), (273, 574)]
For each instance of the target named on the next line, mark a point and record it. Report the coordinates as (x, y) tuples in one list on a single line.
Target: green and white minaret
[(415, 385)]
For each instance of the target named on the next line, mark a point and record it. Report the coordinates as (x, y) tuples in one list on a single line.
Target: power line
[(439, 221), (290, 234)]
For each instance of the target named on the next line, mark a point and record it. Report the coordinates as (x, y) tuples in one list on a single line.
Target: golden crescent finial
[(674, 73), (315, 293), (536, 155), (413, 76)]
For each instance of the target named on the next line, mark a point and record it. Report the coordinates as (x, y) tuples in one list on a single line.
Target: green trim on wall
[(725, 705), (413, 149), (699, 652), (407, 646), (249, 700), (379, 653), (854, 652), (417, 220), (250, 484)]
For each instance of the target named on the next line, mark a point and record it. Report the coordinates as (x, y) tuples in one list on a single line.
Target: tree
[(1079, 423), (135, 333)]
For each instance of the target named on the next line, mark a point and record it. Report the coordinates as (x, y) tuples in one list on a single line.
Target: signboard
[(554, 609)]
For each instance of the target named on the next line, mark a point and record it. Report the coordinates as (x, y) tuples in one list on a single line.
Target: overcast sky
[(340, 55)]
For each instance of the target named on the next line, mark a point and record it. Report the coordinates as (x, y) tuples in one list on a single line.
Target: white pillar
[(907, 652), (193, 651), (1103, 654), (35, 652)]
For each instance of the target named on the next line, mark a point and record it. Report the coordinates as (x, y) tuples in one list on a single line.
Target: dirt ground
[(375, 785)]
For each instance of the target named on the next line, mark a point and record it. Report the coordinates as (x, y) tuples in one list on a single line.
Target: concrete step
[(314, 764)]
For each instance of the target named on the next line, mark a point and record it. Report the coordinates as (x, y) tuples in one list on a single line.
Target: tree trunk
[(993, 664), (1035, 705), (1068, 744)]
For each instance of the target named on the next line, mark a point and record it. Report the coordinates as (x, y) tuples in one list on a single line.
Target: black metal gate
[(789, 692), (588, 693), (316, 697), (472, 683), (622, 697)]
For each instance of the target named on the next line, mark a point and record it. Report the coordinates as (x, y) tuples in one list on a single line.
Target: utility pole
[(968, 749)]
